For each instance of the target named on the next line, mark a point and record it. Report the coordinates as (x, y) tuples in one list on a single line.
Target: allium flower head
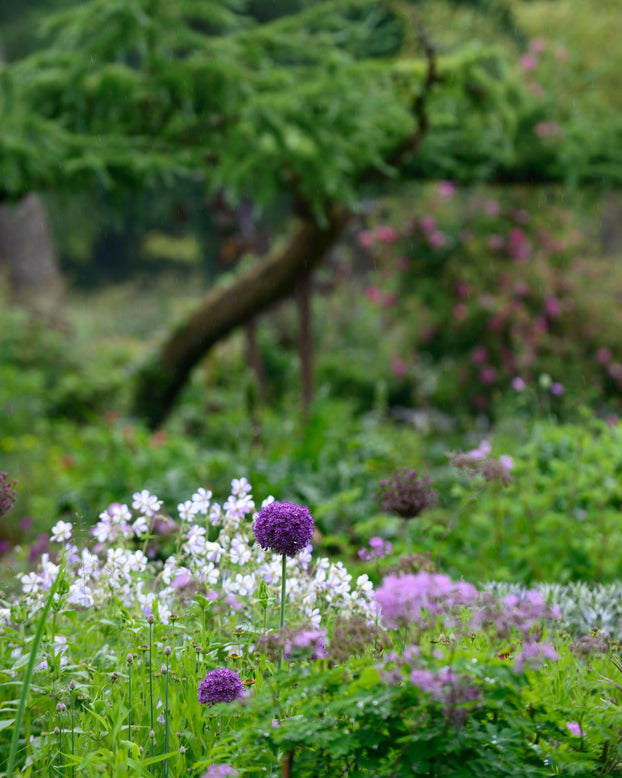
[(406, 494), (220, 685), (284, 528)]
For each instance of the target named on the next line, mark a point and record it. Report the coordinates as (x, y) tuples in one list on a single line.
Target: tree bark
[(27, 250), (223, 309)]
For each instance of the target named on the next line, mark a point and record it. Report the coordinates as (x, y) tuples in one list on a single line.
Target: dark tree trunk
[(224, 309), (27, 251)]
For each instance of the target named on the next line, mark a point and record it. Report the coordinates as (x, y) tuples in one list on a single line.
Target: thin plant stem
[(129, 707), (73, 769), (165, 766), (283, 590), (28, 675), (151, 680)]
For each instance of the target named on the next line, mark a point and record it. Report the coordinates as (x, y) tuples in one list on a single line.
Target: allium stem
[(283, 590)]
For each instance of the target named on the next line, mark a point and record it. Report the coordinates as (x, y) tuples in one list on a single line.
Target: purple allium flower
[(284, 527), (406, 494), (220, 685)]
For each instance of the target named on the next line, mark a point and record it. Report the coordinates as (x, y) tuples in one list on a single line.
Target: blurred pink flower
[(506, 461), (496, 241), (427, 223), (528, 62), (518, 246), (373, 294), (603, 355), (462, 289), (366, 238), (446, 189), (536, 89), (487, 375), (386, 234), (460, 311), (553, 307), (549, 129), (537, 45), (561, 54), (575, 728), (479, 355), (491, 208), (398, 367), (389, 299), (437, 239), (615, 371)]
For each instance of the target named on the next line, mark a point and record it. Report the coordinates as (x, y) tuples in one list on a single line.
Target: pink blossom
[(518, 246), (462, 289), (491, 208), (460, 311), (386, 234), (552, 307), (398, 367), (487, 375), (615, 371), (446, 189), (528, 62), (495, 241), (427, 223), (603, 355), (479, 355), (437, 239), (366, 238), (373, 294), (537, 45)]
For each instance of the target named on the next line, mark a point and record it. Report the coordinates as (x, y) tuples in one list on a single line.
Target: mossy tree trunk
[(224, 309)]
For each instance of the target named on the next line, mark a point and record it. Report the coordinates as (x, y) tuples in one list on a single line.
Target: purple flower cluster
[(284, 527), (378, 549), (220, 685), (412, 599), (406, 494), (220, 771), (305, 641)]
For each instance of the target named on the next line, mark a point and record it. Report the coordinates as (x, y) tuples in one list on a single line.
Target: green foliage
[(559, 519)]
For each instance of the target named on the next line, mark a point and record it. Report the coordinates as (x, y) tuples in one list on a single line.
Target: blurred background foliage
[(475, 297)]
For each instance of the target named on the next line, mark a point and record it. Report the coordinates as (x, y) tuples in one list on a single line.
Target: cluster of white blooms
[(217, 555)]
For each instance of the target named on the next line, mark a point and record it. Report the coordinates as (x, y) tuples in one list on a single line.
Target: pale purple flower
[(61, 532), (240, 487), (557, 389), (575, 728), (220, 771), (528, 62), (518, 384), (201, 500), (186, 510), (146, 503), (534, 654), (506, 461), (306, 640)]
